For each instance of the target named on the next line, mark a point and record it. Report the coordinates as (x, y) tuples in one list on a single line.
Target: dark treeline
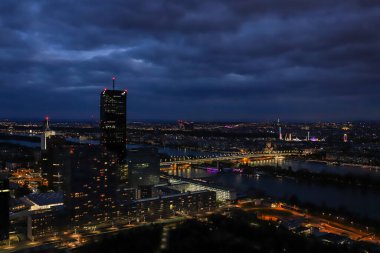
[(137, 240), (15, 153), (20, 138), (363, 181)]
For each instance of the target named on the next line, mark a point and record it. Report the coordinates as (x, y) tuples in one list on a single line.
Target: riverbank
[(361, 181), (364, 166)]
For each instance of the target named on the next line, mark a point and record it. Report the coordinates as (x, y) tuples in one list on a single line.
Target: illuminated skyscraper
[(113, 119)]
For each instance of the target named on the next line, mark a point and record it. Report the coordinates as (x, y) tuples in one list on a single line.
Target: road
[(326, 225)]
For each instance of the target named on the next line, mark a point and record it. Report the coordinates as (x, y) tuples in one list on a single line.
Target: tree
[(22, 191)]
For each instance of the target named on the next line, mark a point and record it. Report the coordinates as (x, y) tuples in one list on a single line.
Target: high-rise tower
[(113, 119), (51, 156), (90, 185), (279, 129), (46, 133)]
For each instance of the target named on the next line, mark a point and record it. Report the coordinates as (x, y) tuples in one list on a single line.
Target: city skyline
[(189, 126), (201, 61)]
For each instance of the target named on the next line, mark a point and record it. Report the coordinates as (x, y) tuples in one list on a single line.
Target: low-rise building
[(186, 184), (165, 206)]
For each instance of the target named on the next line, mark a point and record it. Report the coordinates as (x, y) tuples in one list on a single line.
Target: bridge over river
[(225, 157)]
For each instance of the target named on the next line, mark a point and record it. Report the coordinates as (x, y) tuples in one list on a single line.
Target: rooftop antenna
[(46, 124), (113, 82)]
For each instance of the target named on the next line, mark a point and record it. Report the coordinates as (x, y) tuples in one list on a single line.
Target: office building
[(143, 167), (113, 126), (44, 223), (90, 185), (51, 156), (52, 161), (113, 120), (147, 191)]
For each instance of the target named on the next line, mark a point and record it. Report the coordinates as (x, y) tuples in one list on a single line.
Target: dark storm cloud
[(206, 60)]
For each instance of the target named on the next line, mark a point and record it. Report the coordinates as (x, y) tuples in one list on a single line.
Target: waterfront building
[(186, 185)]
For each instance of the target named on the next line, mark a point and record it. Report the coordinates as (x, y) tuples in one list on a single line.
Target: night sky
[(196, 60)]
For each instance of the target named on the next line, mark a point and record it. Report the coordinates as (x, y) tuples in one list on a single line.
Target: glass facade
[(113, 120)]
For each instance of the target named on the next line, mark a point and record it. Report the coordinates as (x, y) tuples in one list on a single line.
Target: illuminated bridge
[(182, 160)]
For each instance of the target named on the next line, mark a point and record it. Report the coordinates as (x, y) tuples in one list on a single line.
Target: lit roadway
[(326, 225), (74, 240), (232, 156)]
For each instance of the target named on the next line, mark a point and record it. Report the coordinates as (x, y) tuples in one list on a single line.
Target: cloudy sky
[(196, 60)]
